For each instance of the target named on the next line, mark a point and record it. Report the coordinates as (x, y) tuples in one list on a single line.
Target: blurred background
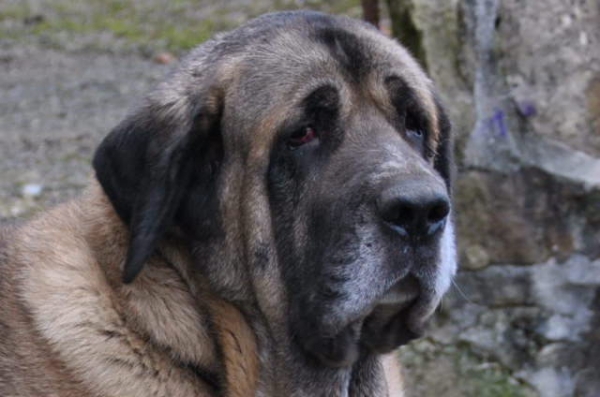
[(521, 80)]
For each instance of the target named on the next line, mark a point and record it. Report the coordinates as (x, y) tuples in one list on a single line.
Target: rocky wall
[(521, 81)]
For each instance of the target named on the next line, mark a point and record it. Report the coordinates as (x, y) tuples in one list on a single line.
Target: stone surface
[(521, 80), (549, 52), (525, 216)]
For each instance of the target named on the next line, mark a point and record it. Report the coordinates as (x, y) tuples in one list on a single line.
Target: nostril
[(404, 215), (438, 212)]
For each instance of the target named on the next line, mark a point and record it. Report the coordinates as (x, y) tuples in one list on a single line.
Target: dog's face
[(307, 162)]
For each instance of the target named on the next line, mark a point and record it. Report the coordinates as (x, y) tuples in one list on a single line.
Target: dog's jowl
[(273, 220)]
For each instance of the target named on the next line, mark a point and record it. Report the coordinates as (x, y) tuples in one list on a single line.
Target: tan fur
[(413, 75), (238, 348), (393, 374), (100, 337)]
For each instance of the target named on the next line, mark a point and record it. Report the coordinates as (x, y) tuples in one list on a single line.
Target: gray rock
[(521, 81), (552, 382), (498, 286)]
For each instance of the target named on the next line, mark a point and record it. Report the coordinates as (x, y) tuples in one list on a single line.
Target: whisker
[(461, 292)]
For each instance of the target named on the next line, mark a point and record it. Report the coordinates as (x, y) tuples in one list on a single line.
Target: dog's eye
[(302, 137), (416, 138), (415, 134)]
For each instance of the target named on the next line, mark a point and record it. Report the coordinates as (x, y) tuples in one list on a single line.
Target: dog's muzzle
[(414, 214)]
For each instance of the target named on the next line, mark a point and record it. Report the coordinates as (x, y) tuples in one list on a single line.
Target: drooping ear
[(444, 159), (148, 163)]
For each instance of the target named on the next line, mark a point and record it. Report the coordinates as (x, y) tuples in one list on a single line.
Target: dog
[(273, 220)]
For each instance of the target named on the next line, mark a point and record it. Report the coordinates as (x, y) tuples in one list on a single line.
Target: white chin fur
[(448, 263), (446, 272)]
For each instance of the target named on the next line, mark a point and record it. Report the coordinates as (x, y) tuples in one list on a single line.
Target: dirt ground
[(70, 70), (55, 109)]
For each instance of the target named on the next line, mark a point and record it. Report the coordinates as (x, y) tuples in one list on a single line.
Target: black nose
[(415, 209)]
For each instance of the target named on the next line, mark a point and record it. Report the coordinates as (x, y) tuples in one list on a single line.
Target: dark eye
[(416, 138), (415, 134), (302, 137)]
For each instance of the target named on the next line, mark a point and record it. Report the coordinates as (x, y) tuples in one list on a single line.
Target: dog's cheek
[(283, 189), (199, 215)]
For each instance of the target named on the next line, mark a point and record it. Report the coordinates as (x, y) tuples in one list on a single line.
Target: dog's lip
[(399, 302), (401, 299), (392, 322), (401, 294)]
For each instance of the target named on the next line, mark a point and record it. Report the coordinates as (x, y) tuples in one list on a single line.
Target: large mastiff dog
[(272, 221)]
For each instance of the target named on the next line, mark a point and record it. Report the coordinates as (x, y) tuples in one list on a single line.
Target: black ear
[(444, 159), (148, 163)]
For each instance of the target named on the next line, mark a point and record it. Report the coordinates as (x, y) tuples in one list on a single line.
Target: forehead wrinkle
[(392, 53), (291, 60), (297, 66), (263, 135), (385, 57), (265, 132), (295, 60), (378, 93), (290, 49), (382, 98)]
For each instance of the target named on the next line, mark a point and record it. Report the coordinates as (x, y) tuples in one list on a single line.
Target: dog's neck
[(291, 374)]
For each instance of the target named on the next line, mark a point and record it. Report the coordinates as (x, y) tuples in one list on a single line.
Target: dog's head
[(306, 161)]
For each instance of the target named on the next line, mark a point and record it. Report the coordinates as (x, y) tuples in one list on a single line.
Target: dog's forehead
[(292, 47), (327, 44), (268, 66)]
